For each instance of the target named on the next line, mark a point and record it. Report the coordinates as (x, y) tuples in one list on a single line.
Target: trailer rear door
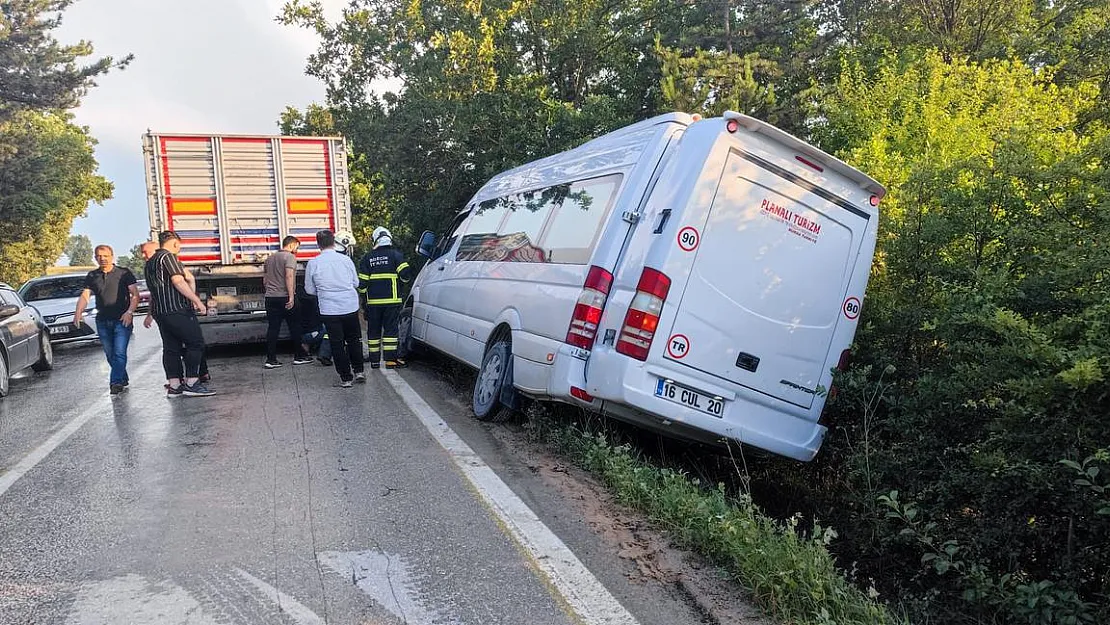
[(233, 199)]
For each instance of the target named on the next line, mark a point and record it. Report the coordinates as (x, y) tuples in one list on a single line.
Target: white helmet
[(382, 237), (344, 240)]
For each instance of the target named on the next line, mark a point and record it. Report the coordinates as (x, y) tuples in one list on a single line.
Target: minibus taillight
[(587, 312), (643, 314)]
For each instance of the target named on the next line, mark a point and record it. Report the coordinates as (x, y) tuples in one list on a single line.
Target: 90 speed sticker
[(688, 239)]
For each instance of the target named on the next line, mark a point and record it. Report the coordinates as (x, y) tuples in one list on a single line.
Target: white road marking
[(583, 592), (386, 579), (101, 405), (136, 600), (295, 609)]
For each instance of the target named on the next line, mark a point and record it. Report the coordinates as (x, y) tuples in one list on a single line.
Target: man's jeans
[(114, 337)]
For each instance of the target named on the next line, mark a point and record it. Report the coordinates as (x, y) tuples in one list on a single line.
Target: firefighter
[(380, 272)]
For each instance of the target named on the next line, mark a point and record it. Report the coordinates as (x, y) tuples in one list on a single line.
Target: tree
[(42, 190), (79, 249), (47, 168), (38, 72), (133, 260)]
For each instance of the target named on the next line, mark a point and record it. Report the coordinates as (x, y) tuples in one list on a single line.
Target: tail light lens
[(642, 319), (587, 312)]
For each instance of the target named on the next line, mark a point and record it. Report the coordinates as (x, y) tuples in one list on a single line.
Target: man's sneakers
[(345, 384), (375, 365), (395, 364), (360, 377), (324, 361), (200, 389), (115, 389), (299, 360)]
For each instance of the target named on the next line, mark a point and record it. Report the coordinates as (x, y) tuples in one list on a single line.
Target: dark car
[(144, 296), (24, 339)]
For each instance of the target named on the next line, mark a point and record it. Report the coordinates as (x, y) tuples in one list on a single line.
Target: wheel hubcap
[(491, 376)]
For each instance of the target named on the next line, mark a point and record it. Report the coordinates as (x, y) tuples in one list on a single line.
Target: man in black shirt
[(117, 296), (174, 305)]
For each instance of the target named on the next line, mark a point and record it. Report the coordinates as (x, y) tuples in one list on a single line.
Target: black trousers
[(181, 341), (381, 331), (276, 314), (345, 336)]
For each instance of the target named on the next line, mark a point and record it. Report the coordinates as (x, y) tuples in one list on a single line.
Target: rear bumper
[(237, 329), (632, 398)]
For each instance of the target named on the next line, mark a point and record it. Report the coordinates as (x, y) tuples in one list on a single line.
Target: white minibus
[(700, 277)]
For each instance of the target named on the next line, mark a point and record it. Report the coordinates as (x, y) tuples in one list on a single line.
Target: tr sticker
[(688, 239), (678, 346), (851, 307)]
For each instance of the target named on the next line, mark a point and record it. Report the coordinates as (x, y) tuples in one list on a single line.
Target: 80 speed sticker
[(851, 307)]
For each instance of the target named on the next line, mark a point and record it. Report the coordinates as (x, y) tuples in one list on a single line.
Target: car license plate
[(713, 406), (252, 305), (59, 330)]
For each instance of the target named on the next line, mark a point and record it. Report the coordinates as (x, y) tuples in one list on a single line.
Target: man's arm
[(128, 315), (82, 302), (309, 279), (291, 281), (182, 286)]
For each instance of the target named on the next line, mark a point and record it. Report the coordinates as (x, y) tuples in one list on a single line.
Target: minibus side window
[(481, 229), (447, 241), (576, 221)]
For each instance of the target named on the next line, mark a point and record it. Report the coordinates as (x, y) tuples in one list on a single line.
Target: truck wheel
[(46, 354), (492, 378)]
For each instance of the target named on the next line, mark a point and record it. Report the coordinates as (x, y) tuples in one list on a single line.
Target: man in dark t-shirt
[(117, 296), (174, 305)]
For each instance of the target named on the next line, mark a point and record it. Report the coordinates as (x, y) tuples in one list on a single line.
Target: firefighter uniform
[(379, 274)]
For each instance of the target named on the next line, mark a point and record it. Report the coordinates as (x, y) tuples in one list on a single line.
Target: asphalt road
[(284, 499)]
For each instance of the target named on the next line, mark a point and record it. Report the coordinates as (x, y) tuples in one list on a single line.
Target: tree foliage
[(47, 168), (37, 72), (79, 250), (966, 466)]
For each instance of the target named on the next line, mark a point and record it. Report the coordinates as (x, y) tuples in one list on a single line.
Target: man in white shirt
[(332, 278)]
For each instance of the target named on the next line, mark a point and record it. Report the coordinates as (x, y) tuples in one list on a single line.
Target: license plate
[(59, 329), (713, 406), (252, 305)]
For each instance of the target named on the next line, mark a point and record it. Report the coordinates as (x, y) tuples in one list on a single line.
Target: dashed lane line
[(102, 404), (583, 592)]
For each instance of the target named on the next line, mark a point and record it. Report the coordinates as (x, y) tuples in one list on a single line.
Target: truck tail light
[(642, 318), (587, 312)]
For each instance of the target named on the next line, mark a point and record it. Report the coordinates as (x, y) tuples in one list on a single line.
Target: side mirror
[(8, 310), (427, 244)]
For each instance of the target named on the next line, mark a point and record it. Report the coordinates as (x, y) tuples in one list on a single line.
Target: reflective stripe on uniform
[(389, 300)]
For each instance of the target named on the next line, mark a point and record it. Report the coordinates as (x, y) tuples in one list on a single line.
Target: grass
[(791, 574)]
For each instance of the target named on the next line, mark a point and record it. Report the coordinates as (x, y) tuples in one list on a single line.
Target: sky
[(201, 66)]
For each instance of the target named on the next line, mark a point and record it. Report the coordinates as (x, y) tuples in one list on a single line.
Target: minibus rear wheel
[(492, 377)]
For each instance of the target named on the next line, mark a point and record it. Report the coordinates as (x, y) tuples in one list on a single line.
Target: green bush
[(790, 573)]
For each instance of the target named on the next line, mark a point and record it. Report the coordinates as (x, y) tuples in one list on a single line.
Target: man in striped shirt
[(174, 305)]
